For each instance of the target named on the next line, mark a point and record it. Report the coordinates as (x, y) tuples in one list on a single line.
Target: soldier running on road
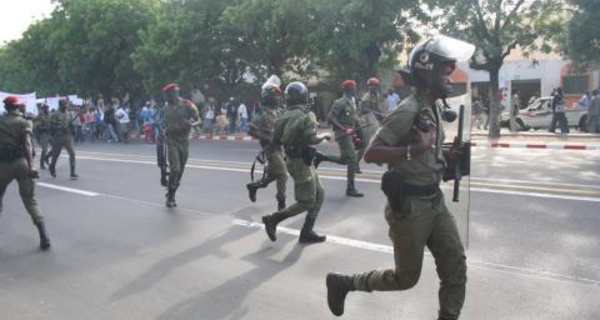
[(44, 127), (344, 119), (262, 129), (416, 211), (179, 117), (369, 111), (16, 162), (296, 130), (62, 136)]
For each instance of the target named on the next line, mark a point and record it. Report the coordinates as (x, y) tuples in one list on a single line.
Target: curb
[(530, 145), (475, 143)]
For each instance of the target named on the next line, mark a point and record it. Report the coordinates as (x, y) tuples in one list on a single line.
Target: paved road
[(119, 254)]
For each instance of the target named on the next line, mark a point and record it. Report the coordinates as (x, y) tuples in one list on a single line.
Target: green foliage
[(356, 38), (28, 64), (271, 36), (497, 27), (94, 40), (582, 41), (185, 44)]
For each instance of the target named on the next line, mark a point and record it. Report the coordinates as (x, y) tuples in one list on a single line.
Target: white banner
[(29, 100)]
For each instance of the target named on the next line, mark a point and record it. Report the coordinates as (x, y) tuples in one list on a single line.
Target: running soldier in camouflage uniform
[(44, 128), (16, 162), (369, 111), (179, 117), (344, 118), (62, 137), (262, 129), (410, 142), (296, 130)]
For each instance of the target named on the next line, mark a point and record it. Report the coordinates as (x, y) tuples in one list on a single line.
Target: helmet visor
[(273, 81), (448, 48)]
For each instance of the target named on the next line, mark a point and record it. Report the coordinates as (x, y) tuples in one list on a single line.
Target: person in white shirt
[(122, 115), (209, 116), (392, 99), (243, 115)]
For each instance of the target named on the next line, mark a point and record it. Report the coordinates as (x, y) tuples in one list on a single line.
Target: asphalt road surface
[(118, 253)]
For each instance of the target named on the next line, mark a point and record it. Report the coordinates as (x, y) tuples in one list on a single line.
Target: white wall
[(547, 71)]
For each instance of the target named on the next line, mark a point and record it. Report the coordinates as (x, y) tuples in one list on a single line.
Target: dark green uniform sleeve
[(396, 127), (310, 125), (337, 108), (193, 112)]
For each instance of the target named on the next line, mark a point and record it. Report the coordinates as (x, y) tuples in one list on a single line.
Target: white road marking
[(67, 189), (539, 274), (534, 194), (364, 245), (373, 181)]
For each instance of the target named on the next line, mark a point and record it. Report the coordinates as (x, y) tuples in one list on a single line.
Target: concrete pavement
[(119, 254)]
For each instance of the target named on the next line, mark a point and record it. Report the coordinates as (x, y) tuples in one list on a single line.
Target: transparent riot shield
[(457, 194)]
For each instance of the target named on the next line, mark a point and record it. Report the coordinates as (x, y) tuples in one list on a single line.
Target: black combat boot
[(52, 170), (308, 235), (351, 190), (46, 158), (338, 286), (42, 163), (74, 176), (271, 222), (171, 199), (44, 240), (357, 170), (280, 204), (319, 157), (252, 188)]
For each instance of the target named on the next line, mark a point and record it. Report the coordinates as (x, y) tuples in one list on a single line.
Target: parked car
[(538, 115)]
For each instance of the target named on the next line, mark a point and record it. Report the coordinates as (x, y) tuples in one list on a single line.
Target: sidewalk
[(479, 138)]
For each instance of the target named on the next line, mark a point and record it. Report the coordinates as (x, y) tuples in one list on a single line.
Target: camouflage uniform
[(421, 220), (44, 128), (178, 126), (275, 167), (294, 129), (344, 112), (62, 137), (369, 109), (13, 165)]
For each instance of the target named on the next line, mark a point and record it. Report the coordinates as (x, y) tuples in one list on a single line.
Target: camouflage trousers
[(177, 154), (347, 156), (58, 143), (275, 170), (44, 143), (308, 190), (18, 170), (425, 221)]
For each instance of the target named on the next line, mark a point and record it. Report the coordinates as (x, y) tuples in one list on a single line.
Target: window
[(575, 84)]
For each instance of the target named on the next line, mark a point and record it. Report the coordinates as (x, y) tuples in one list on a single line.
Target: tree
[(93, 43), (582, 41), (497, 27), (28, 65), (186, 44), (357, 38), (271, 36)]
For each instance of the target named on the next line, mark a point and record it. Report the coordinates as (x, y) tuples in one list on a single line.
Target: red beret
[(373, 81), (349, 84), (12, 100), (170, 86)]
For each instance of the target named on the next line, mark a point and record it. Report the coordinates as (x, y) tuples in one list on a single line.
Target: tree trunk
[(494, 92)]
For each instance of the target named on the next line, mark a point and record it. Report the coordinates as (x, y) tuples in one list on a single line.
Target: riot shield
[(457, 194)]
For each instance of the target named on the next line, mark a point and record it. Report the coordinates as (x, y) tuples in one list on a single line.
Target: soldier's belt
[(396, 190), (306, 153), (10, 155), (294, 152)]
